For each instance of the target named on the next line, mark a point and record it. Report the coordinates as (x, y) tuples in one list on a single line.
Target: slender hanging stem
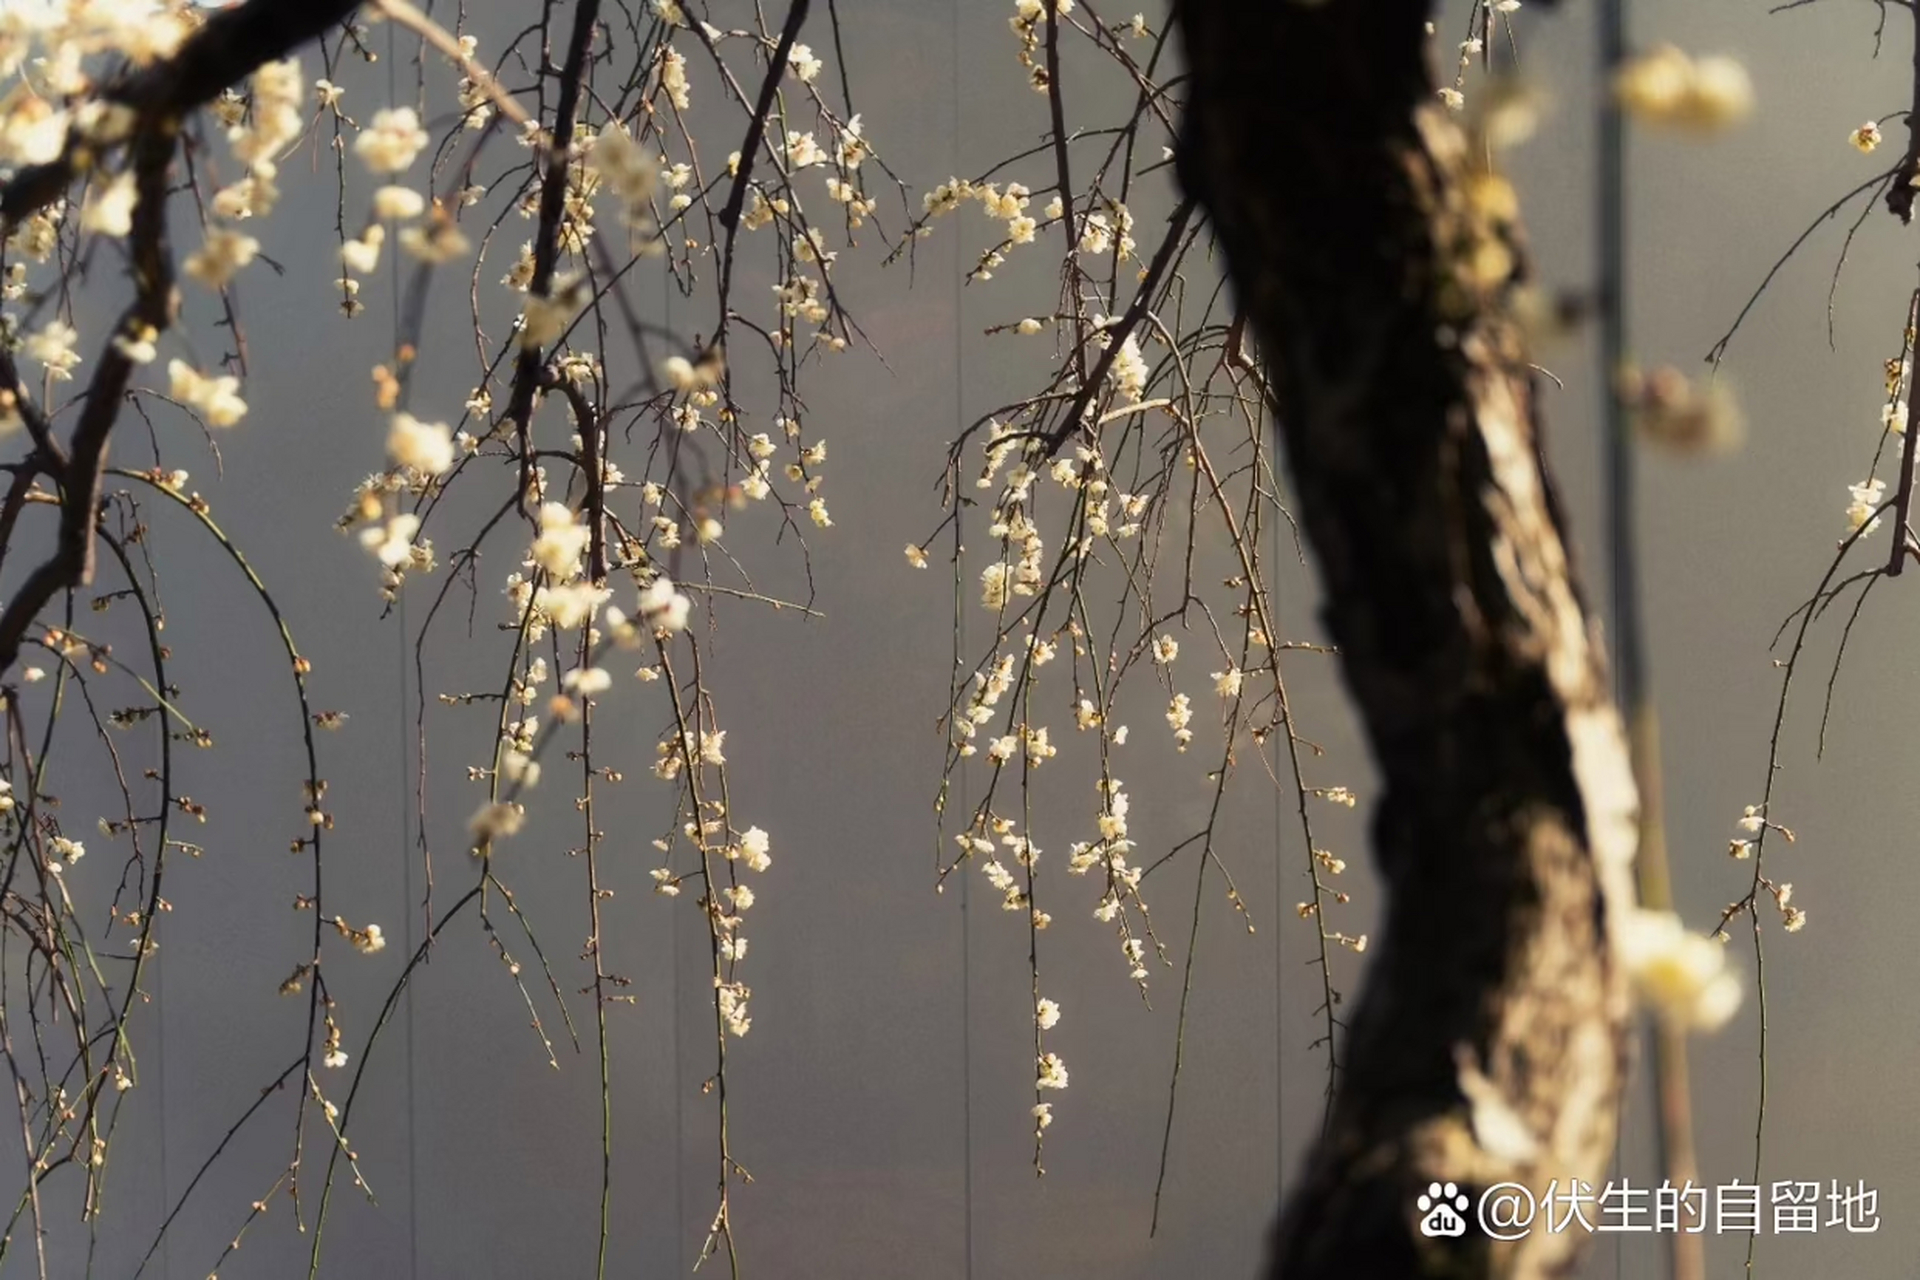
[(1673, 1128)]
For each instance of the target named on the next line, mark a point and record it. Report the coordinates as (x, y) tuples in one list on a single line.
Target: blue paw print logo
[(1443, 1210)]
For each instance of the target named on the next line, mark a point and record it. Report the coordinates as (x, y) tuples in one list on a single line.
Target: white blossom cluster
[(598, 565)]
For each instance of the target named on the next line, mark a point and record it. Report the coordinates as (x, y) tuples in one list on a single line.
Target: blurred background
[(882, 1101)]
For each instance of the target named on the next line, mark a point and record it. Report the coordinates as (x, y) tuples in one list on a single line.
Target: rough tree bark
[(1377, 263)]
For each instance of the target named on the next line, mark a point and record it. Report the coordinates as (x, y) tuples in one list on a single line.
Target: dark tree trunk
[(1376, 262)]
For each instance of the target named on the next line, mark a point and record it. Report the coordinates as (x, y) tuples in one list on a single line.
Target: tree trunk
[(1377, 262)]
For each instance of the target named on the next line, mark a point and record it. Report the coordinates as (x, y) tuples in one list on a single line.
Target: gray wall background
[(881, 1100)]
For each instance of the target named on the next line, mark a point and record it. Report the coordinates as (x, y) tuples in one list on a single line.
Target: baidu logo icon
[(1509, 1211), (1443, 1210)]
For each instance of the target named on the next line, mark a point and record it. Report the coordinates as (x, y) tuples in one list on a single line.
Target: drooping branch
[(151, 311), (762, 109), (230, 46), (1377, 261), (227, 48), (1900, 194), (546, 239), (749, 151), (51, 457)]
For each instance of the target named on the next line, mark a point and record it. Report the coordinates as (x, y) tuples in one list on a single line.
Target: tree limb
[(546, 239), (1377, 263), (226, 49), (229, 47), (152, 308)]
